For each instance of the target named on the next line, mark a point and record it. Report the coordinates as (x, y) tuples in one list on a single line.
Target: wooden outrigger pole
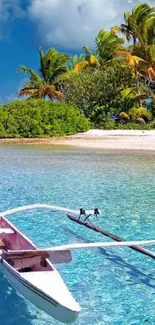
[(112, 236)]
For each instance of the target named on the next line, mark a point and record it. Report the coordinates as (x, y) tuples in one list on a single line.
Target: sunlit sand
[(99, 139)]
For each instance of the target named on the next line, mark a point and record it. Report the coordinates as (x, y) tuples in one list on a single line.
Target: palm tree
[(139, 26), (136, 23), (107, 45), (52, 65)]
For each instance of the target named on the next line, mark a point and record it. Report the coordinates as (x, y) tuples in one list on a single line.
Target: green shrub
[(127, 126), (152, 124), (132, 126), (40, 118), (110, 125), (2, 131)]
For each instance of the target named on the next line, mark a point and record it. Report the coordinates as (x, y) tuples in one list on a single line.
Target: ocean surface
[(114, 286)]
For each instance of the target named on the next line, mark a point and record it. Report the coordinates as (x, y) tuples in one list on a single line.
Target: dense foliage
[(40, 118), (97, 94)]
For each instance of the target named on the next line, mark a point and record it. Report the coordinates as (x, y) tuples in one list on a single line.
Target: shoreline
[(96, 139)]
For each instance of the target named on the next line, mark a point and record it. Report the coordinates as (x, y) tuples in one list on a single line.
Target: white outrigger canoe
[(32, 273), (36, 278)]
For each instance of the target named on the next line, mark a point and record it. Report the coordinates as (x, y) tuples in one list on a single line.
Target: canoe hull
[(37, 297), (38, 281)]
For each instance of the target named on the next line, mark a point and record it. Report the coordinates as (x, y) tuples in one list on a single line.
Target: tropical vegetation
[(110, 86), (52, 65), (40, 118)]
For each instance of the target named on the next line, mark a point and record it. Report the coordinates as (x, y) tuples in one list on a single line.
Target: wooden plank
[(112, 236), (56, 257), (60, 251)]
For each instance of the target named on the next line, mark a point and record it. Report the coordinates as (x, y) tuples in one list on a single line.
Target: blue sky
[(66, 25)]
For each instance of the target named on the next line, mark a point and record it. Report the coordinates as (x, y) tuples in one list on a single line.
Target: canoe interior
[(12, 239)]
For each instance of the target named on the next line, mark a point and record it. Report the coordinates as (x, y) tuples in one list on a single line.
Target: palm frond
[(151, 53), (80, 66), (42, 92), (31, 92), (34, 77), (107, 44), (90, 57), (52, 93), (87, 51), (75, 60), (42, 67), (126, 16), (52, 64)]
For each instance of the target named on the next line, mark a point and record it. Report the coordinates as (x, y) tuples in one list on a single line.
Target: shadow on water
[(131, 270), (13, 308)]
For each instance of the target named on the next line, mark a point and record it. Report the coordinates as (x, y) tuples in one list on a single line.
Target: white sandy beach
[(99, 139)]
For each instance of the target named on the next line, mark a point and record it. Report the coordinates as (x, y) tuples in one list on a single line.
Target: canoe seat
[(6, 231)]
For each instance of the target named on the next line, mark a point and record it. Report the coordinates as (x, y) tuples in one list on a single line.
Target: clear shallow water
[(113, 286)]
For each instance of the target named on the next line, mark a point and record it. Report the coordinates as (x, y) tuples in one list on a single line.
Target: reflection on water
[(113, 286)]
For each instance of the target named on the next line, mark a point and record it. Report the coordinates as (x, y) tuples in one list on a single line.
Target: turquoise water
[(113, 286)]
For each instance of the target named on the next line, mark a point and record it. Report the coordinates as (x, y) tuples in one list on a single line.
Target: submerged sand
[(99, 139)]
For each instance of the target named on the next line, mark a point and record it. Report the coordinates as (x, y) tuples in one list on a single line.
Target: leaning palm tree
[(52, 65), (136, 23), (139, 26), (107, 45)]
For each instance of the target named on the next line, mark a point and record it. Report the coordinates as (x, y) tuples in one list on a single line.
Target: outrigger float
[(31, 271)]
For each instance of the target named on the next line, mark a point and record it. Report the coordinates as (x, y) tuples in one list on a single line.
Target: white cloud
[(74, 23), (9, 10)]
